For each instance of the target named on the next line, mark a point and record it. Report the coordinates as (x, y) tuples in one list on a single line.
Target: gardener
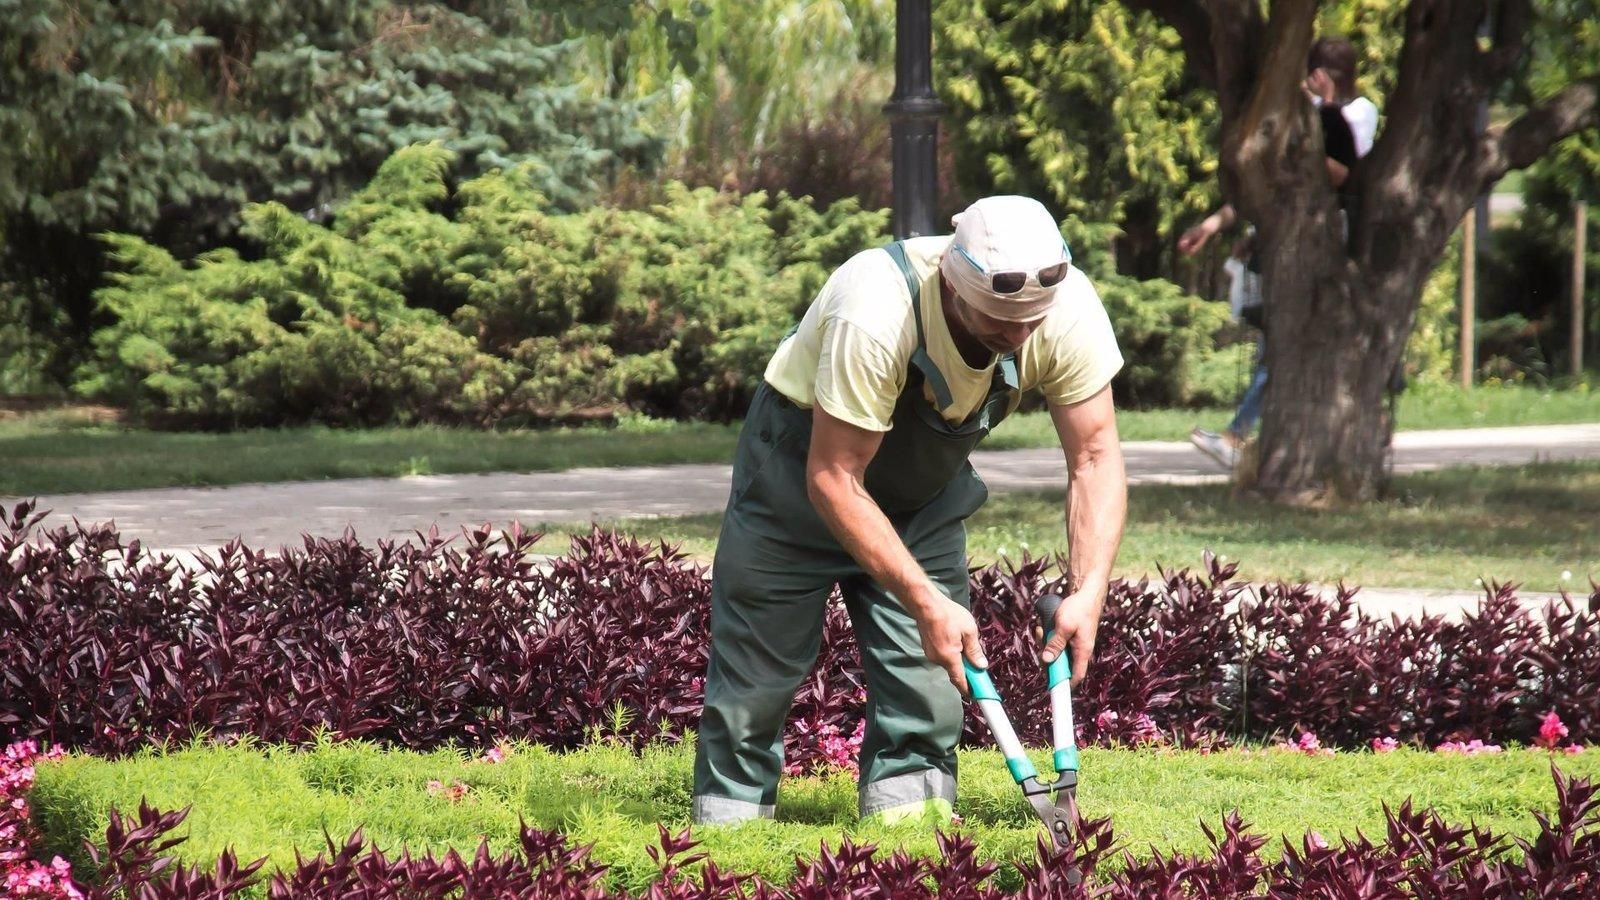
[(852, 470)]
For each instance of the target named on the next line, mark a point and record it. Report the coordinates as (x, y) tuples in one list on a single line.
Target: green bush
[(481, 305), (615, 799), (1431, 349), (183, 112), (478, 305), (1168, 340)]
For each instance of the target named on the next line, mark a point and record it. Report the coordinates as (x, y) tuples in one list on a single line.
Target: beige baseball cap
[(1007, 258)]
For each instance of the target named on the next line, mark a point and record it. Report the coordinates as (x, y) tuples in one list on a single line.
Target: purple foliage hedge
[(105, 647), (1418, 856)]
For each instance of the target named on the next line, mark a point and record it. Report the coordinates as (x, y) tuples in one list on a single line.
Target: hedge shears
[(1055, 801)]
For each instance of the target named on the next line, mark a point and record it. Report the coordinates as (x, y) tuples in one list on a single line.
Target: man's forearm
[(861, 528), (1096, 509)]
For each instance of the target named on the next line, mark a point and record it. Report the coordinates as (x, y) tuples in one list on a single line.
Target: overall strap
[(920, 357), (1006, 373)]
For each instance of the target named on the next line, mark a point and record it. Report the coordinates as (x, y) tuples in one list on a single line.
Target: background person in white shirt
[(1349, 127)]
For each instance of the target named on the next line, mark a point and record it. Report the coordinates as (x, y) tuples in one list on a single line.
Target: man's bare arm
[(1096, 509), (836, 483)]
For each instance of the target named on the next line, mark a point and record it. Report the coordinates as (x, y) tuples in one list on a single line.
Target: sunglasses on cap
[(1012, 282)]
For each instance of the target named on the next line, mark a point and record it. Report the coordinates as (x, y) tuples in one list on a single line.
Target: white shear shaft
[(1000, 726), (1061, 715)]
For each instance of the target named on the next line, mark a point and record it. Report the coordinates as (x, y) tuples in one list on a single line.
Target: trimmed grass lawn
[(269, 802), (1442, 530), (66, 451)]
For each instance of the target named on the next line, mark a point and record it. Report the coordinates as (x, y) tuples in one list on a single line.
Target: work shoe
[(1214, 445)]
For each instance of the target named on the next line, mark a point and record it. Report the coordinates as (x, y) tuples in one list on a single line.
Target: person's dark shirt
[(1338, 141), (1339, 144)]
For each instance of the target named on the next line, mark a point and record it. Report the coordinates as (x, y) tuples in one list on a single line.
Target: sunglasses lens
[(1050, 276), (1009, 282)]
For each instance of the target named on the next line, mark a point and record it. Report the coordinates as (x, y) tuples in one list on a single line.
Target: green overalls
[(775, 566)]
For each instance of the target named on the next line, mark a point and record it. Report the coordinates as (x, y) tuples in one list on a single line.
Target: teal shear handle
[(1056, 801), (988, 700), (1060, 679)]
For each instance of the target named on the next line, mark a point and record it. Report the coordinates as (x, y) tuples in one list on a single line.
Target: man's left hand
[(1077, 623)]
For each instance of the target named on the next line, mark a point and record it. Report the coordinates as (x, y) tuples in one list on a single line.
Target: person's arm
[(1096, 509), (1339, 144), (836, 483), (1190, 242)]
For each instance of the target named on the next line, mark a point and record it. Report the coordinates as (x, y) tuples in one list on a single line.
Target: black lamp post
[(914, 112)]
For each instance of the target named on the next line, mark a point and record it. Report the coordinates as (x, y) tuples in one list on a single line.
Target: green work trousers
[(776, 565)]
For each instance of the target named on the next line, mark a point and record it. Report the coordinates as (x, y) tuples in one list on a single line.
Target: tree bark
[(1343, 288)]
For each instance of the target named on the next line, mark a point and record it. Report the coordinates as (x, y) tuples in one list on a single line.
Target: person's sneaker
[(1215, 446)]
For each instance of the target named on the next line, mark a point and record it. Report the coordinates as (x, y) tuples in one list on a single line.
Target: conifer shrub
[(483, 304), (479, 303)]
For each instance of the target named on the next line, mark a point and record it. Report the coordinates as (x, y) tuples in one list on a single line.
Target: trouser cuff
[(710, 810), (907, 790)]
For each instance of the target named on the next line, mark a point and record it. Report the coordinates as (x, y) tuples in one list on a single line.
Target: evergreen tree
[(164, 118), (1085, 106)]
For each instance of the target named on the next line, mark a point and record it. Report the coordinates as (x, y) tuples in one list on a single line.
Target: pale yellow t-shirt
[(853, 348)]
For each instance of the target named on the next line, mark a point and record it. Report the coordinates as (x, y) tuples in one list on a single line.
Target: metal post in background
[(1469, 295), (1580, 229), (914, 112)]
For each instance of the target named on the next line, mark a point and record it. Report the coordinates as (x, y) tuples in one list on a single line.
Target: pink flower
[(1551, 731), (1308, 744), (1140, 729), (1471, 748), (1384, 745), (839, 750), (453, 792), (1572, 749), (21, 876), (495, 755)]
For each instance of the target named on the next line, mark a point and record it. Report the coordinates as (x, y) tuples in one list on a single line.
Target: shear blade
[(1057, 817)]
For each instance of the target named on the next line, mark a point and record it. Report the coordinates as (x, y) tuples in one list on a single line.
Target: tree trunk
[(1326, 429), (1330, 346), (1340, 304)]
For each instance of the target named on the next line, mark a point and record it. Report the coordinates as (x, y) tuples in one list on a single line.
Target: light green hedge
[(267, 802)]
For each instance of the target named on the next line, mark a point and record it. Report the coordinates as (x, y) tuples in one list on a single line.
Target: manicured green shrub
[(1161, 807), (477, 305), (480, 304)]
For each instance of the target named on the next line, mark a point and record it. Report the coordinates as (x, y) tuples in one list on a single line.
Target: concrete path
[(274, 515)]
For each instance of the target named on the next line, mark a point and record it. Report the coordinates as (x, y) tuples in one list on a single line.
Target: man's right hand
[(1196, 236), (949, 632)]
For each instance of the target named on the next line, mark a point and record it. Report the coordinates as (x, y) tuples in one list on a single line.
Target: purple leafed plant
[(105, 647)]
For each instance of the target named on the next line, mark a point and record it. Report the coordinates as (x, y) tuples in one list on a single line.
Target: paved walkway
[(190, 520)]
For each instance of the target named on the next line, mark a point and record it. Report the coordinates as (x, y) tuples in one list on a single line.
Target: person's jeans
[(1249, 411)]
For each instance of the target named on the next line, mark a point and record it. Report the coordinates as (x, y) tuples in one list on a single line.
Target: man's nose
[(1016, 333)]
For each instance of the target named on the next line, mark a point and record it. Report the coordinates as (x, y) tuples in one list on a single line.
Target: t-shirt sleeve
[(1338, 141), (1084, 358), (1361, 115), (858, 378)]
